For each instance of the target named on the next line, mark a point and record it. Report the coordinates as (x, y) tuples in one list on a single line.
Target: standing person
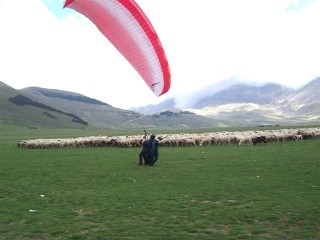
[(149, 151), (154, 149)]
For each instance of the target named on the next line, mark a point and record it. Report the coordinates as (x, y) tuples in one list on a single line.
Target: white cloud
[(206, 41)]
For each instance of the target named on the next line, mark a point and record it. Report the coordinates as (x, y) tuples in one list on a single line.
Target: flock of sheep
[(176, 140)]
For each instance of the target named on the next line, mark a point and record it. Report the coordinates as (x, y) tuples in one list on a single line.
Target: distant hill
[(38, 107), (155, 108)]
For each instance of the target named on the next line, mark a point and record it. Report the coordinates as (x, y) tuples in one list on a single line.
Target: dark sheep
[(261, 139)]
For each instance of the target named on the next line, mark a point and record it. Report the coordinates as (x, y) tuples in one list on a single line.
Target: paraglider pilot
[(149, 151)]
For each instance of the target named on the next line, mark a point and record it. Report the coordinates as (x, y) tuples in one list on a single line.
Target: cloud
[(206, 42)]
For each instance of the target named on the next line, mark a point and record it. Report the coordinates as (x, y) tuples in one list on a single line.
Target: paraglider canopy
[(125, 25)]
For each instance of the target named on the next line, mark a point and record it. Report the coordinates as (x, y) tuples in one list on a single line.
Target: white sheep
[(246, 140)]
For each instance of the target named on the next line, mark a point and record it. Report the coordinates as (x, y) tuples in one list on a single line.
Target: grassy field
[(269, 191)]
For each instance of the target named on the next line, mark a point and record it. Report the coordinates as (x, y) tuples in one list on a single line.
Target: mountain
[(241, 93), (242, 104), (304, 101), (236, 105), (271, 103), (155, 108), (39, 107)]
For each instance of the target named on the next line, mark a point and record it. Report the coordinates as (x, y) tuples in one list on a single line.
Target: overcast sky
[(206, 42)]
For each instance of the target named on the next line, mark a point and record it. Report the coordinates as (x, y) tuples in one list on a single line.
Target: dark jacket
[(150, 151)]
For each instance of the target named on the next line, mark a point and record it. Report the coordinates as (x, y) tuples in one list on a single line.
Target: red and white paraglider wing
[(129, 30)]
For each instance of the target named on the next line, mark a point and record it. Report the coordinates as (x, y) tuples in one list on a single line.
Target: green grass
[(228, 192)]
